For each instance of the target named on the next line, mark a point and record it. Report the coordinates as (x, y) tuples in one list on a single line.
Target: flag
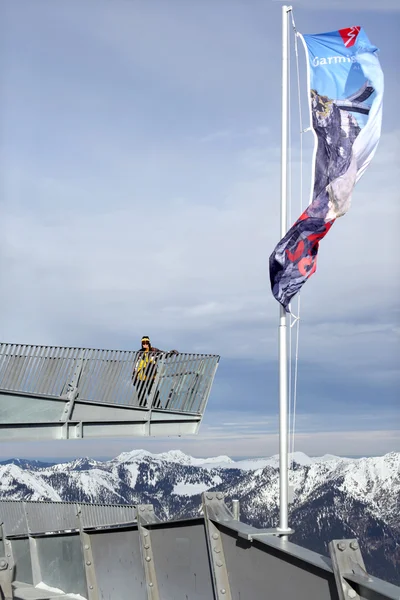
[(346, 90)]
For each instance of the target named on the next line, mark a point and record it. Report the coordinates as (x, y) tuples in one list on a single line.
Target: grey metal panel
[(61, 563), (118, 564), (51, 516), (85, 411), (106, 515), (30, 432), (12, 514), (25, 409), (181, 560), (22, 560), (257, 571), (105, 430)]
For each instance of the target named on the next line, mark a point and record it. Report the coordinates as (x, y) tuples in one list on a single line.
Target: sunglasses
[(145, 343)]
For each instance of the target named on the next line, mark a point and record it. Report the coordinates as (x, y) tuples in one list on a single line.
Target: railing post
[(71, 395)]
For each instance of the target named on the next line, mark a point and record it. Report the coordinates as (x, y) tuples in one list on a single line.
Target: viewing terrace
[(49, 392)]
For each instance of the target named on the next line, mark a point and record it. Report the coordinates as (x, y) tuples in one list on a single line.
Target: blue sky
[(139, 190)]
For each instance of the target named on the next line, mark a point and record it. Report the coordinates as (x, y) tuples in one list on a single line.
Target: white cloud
[(199, 267), (236, 444), (223, 134)]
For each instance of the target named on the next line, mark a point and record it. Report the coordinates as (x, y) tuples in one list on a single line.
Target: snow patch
[(190, 489), (47, 588), (173, 456)]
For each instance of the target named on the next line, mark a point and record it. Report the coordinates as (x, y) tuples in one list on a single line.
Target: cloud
[(238, 444), (216, 135), (196, 274)]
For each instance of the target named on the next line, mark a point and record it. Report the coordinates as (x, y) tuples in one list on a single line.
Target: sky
[(139, 194)]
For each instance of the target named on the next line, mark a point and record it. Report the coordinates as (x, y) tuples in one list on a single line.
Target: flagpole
[(283, 349)]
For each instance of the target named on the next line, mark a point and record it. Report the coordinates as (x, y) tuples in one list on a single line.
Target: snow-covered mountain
[(333, 497)]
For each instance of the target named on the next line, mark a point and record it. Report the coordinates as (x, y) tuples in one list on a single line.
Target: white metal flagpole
[(283, 349)]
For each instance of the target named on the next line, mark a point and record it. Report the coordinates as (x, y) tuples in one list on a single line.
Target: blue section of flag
[(346, 90)]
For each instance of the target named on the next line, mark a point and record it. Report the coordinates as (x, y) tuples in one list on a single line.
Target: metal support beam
[(91, 581), (36, 571), (146, 516), (6, 568), (5, 580), (346, 559), (214, 505)]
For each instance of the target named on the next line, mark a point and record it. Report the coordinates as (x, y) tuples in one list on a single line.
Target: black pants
[(144, 389)]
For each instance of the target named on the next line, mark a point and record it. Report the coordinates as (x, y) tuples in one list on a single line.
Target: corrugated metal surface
[(44, 370), (102, 515), (21, 518), (51, 516), (12, 515)]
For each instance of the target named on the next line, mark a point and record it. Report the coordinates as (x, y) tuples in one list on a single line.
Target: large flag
[(346, 90)]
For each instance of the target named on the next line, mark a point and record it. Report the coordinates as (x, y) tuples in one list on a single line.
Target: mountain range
[(333, 497)]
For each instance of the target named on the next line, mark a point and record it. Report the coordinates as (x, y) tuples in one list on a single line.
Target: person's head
[(146, 345)]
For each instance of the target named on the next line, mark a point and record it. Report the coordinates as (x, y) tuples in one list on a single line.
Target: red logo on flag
[(349, 35)]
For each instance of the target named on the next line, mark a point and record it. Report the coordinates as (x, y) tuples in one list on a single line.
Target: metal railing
[(36, 517), (178, 382)]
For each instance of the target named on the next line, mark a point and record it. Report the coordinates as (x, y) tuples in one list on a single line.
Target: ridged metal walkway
[(49, 392), (107, 552)]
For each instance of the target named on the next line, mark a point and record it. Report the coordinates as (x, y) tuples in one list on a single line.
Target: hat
[(145, 338)]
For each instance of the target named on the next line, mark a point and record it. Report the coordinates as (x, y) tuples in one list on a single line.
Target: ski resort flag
[(346, 90)]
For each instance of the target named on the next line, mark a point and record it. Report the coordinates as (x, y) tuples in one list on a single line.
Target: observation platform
[(50, 392), (68, 550)]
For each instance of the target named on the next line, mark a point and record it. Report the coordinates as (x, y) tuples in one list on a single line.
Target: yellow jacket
[(145, 366)]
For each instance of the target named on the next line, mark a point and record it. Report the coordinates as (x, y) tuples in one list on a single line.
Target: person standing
[(145, 370)]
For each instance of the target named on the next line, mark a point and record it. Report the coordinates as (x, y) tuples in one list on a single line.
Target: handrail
[(178, 382)]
